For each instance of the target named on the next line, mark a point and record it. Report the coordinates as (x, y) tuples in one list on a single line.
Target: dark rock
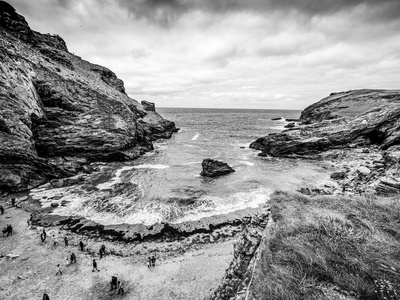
[(293, 120), (148, 106), (290, 125), (276, 119), (140, 232), (388, 187), (338, 175), (214, 168)]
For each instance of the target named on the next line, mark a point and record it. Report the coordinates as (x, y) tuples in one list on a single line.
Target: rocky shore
[(357, 131), (59, 113)]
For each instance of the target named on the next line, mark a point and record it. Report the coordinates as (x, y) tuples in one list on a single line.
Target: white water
[(165, 186)]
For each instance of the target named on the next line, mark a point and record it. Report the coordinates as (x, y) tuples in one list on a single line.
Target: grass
[(349, 245)]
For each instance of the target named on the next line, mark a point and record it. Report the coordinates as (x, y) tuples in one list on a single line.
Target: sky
[(265, 54)]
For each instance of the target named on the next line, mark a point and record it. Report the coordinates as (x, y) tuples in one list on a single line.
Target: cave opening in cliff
[(376, 137)]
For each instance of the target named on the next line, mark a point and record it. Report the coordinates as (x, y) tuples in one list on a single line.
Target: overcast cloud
[(231, 53)]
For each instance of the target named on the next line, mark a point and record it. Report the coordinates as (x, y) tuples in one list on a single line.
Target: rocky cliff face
[(59, 112), (359, 131), (359, 117)]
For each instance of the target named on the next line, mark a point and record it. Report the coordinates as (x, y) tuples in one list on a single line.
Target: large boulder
[(214, 168)]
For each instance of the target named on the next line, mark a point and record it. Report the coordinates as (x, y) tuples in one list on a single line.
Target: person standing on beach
[(66, 241), (59, 271), (120, 289), (114, 280), (73, 258), (44, 236), (102, 251), (9, 230), (153, 261), (54, 240), (2, 209), (149, 262), (81, 245), (95, 266)]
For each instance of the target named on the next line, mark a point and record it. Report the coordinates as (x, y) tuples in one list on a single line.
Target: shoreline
[(174, 262)]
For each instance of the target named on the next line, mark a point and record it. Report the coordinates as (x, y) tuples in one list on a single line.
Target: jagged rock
[(391, 157), (290, 125), (214, 168), (148, 106), (239, 273), (363, 171), (350, 119), (338, 175), (388, 186), (58, 112)]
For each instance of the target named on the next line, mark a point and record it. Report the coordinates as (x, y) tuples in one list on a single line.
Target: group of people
[(8, 230), (117, 285)]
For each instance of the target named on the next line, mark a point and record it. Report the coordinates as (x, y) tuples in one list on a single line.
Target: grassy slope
[(317, 243)]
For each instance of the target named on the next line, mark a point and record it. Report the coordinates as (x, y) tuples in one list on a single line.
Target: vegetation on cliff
[(322, 246)]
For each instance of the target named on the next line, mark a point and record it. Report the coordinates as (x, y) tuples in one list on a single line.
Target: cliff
[(361, 117), (59, 112), (358, 131)]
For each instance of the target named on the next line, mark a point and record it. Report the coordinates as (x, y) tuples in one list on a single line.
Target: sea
[(165, 185)]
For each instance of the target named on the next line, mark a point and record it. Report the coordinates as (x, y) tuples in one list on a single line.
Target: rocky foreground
[(58, 112)]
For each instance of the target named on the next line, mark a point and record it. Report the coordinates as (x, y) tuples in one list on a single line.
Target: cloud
[(248, 54), (167, 11)]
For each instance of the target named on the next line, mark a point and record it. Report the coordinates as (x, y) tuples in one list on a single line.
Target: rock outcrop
[(215, 168), (246, 249), (357, 130), (353, 118), (59, 112)]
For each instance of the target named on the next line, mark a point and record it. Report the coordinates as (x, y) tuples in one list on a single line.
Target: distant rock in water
[(290, 125), (58, 112), (214, 168)]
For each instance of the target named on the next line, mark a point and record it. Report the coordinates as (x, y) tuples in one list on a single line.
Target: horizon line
[(229, 108)]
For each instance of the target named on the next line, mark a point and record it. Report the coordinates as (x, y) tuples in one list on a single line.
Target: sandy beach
[(190, 274)]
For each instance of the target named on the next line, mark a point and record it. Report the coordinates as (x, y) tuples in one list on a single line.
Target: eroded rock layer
[(358, 130), (59, 112), (360, 117)]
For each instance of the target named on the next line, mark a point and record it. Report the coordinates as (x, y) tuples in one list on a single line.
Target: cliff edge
[(59, 112)]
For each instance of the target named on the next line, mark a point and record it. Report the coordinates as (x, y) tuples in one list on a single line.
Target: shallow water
[(165, 185)]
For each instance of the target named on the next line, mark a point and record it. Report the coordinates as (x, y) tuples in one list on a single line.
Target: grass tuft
[(351, 244)]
